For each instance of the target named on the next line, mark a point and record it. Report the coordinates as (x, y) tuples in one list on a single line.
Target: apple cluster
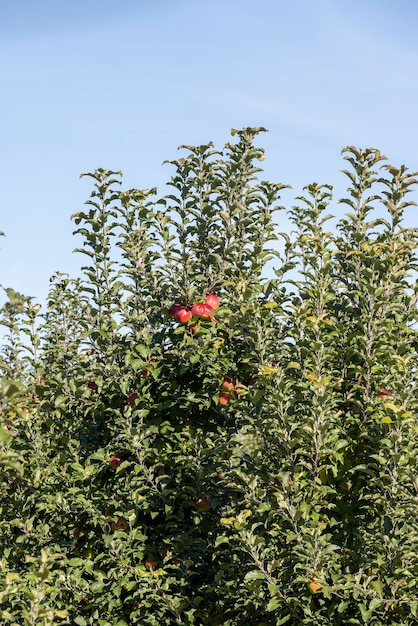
[(228, 388), (184, 313)]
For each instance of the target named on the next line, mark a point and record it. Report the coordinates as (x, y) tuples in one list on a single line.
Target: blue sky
[(89, 83)]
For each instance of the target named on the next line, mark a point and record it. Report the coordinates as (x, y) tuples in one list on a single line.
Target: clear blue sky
[(94, 83)]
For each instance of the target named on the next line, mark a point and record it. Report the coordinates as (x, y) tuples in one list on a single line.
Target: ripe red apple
[(132, 397), (76, 533), (183, 315), (92, 385), (383, 393), (174, 309), (203, 504), (180, 313), (150, 562), (228, 385), (115, 461), (201, 310), (224, 397), (212, 300)]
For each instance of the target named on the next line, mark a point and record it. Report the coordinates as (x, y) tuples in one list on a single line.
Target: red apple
[(212, 300), (228, 385), (180, 313), (150, 562), (183, 315), (383, 393), (115, 461), (224, 397), (132, 397), (92, 385), (76, 533), (201, 310), (174, 309), (203, 504)]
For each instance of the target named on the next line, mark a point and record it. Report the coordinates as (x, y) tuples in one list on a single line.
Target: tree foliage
[(255, 465)]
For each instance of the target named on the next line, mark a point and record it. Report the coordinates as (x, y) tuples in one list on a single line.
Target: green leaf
[(386, 420), (376, 602), (255, 574), (377, 585), (4, 435), (273, 604)]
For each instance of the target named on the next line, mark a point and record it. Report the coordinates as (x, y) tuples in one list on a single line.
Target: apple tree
[(216, 423)]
